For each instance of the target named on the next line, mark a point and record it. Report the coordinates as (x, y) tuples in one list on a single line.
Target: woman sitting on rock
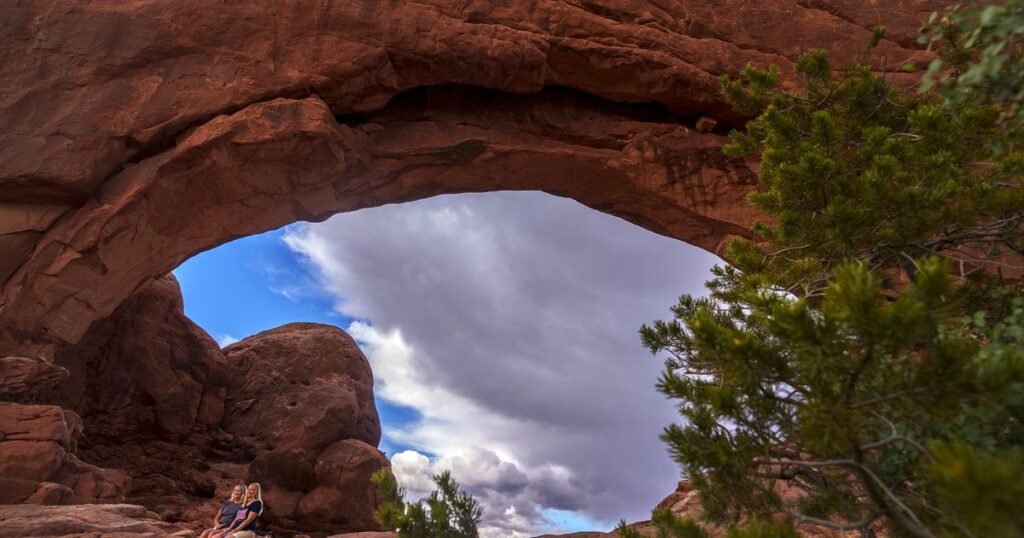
[(244, 524), (227, 512)]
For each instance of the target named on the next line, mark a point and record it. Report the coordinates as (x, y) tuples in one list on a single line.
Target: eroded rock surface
[(24, 379), (685, 502), (106, 520), (140, 133), (292, 408), (38, 463), (302, 411), (149, 385)]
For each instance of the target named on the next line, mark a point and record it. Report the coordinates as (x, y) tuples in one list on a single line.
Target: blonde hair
[(258, 496), (243, 487)]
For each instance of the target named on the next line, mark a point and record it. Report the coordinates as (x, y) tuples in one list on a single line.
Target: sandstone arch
[(140, 133)]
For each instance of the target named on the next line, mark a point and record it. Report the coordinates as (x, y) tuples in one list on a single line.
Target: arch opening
[(527, 304)]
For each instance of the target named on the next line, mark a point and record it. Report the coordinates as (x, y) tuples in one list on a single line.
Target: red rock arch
[(137, 134)]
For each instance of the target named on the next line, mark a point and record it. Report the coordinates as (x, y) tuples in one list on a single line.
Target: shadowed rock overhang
[(137, 134)]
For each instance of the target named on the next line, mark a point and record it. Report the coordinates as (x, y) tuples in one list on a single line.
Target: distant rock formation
[(685, 502), (149, 385)]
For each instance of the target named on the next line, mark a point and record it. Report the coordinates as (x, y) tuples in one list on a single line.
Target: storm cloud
[(509, 321)]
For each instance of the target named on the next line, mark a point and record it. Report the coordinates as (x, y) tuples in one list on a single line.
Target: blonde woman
[(244, 524), (227, 512)]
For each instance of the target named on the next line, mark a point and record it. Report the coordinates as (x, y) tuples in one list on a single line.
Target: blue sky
[(258, 283)]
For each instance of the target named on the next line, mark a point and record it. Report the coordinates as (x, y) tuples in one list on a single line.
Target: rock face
[(23, 379), (139, 133), (149, 385), (291, 408), (301, 409), (121, 520), (134, 140), (685, 502), (38, 462), (147, 364)]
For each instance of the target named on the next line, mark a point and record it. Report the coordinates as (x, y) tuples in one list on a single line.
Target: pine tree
[(868, 349), (448, 512)]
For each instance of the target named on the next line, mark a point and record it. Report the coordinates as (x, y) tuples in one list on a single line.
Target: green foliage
[(668, 525), (980, 46), (448, 512), (982, 489), (390, 499), (866, 349), (853, 169), (762, 529)]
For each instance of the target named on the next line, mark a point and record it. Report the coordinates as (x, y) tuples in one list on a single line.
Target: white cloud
[(509, 322), (226, 340), (511, 497)]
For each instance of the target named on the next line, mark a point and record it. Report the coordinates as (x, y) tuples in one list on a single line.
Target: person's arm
[(216, 518), (248, 519), (230, 528)]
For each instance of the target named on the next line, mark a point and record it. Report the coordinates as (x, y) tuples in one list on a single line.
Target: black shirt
[(255, 507)]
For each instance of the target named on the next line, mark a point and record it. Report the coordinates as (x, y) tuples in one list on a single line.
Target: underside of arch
[(140, 133)]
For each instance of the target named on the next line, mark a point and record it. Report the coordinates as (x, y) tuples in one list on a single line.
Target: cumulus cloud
[(509, 320), (513, 499)]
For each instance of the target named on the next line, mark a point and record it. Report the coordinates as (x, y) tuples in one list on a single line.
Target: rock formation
[(149, 385), (38, 462), (685, 502), (161, 404), (106, 520), (23, 379), (301, 408), (140, 133)]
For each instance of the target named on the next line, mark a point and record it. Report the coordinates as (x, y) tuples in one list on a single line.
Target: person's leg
[(244, 534)]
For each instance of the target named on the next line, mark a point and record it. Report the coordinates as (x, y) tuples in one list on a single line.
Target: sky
[(502, 332)]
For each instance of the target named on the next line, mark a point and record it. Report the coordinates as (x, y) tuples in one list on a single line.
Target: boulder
[(300, 386), (302, 409), (292, 408)]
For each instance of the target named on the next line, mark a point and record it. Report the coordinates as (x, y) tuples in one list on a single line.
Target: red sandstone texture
[(149, 385), (38, 462), (302, 405), (685, 502), (139, 133), (23, 379), (100, 521), (291, 408)]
